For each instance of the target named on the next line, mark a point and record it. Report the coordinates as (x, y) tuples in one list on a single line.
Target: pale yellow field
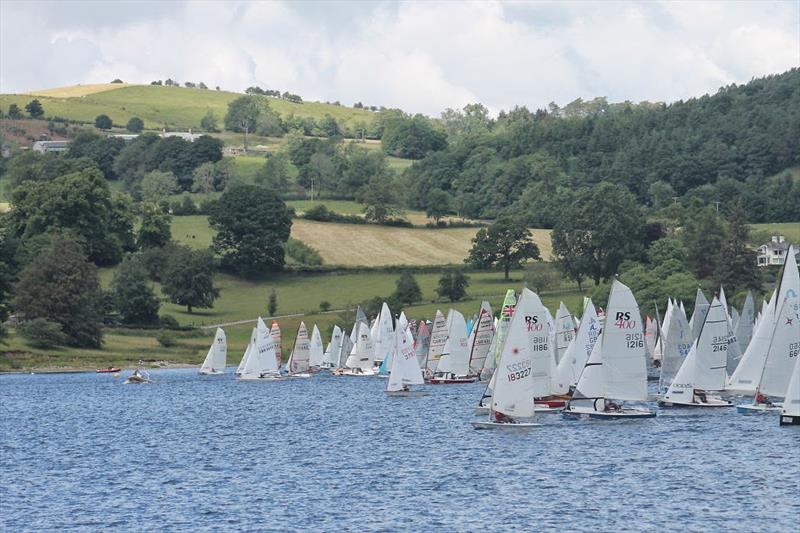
[(77, 91), (368, 245)]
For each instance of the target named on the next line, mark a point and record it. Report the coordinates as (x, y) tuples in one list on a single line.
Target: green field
[(790, 230), (159, 106)]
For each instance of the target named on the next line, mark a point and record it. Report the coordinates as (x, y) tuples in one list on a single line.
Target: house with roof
[(50, 146), (774, 252)]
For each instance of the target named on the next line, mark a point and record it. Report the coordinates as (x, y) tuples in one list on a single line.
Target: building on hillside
[(50, 146), (127, 137), (186, 136), (774, 252)]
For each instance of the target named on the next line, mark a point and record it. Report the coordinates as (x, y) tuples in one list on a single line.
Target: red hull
[(551, 403), (108, 370)]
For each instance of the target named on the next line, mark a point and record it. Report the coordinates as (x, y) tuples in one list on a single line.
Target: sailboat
[(616, 369), (564, 332), (331, 356), (701, 307), (299, 361), (247, 352), (436, 345), (744, 326), (315, 349), (360, 362), (214, 364), (275, 333), (383, 339), (781, 357), (261, 363), (405, 370), (481, 339), (422, 343), (344, 353), (453, 367), (703, 370), (509, 301), (512, 406), (574, 359), (674, 344), (790, 412)]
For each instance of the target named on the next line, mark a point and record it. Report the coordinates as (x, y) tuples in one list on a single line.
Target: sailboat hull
[(790, 420), (516, 426), (406, 393), (539, 409), (450, 381), (756, 408), (712, 402), (212, 372), (623, 414), (351, 372)]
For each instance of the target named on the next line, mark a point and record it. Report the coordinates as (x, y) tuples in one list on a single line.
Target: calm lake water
[(190, 453)]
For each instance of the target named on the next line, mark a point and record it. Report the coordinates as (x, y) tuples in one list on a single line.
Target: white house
[(50, 146), (774, 252)]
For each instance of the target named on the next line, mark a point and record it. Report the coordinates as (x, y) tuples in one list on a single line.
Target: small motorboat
[(109, 370)]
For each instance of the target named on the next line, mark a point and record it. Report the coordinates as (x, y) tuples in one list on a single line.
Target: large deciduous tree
[(736, 265), (453, 285), (188, 278), (242, 116), (61, 286), (506, 243), (132, 293), (252, 225), (600, 230), (155, 230), (380, 199)]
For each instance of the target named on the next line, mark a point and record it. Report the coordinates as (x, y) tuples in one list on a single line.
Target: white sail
[(247, 351), (564, 332), (361, 356), (681, 389), (299, 360), (513, 382), (624, 365), (748, 372), (791, 401), (535, 318), (699, 314), (783, 350), (438, 340), (360, 317), (489, 362), (650, 337), (402, 320), (482, 334), (331, 356), (455, 355), (589, 390), (734, 353), (261, 360), (744, 326), (216, 357), (405, 369), (344, 351), (275, 333), (676, 343), (571, 365), (383, 340), (316, 352), (712, 350), (423, 342)]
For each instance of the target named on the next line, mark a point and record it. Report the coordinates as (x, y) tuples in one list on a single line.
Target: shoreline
[(78, 370)]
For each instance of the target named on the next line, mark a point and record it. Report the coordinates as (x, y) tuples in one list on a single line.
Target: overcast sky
[(420, 56)]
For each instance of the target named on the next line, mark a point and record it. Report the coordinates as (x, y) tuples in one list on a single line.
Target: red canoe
[(109, 370)]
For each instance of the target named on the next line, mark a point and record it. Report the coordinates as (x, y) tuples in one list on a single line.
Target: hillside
[(160, 106)]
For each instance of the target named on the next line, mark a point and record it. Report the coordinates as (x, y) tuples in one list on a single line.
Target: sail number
[(514, 376), (719, 344), (794, 349), (634, 340), (518, 370)]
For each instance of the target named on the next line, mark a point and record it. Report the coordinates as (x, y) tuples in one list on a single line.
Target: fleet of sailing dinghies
[(616, 370), (593, 366), (214, 364)]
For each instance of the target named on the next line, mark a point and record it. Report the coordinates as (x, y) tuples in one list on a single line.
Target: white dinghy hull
[(407, 393), (212, 372), (516, 426), (711, 402), (626, 413), (756, 408), (538, 409)]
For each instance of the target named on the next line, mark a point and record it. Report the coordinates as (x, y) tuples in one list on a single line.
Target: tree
[(209, 122), (59, 285), (272, 303), (252, 225), (329, 126), (242, 116), (506, 242), (14, 112), (101, 150), (103, 122), (438, 204), (135, 125), (132, 293), (380, 200), (42, 333), (407, 291), (453, 285), (704, 235), (736, 267), (155, 230), (542, 277), (188, 278), (412, 137), (34, 109), (275, 172), (157, 185), (79, 202), (204, 177), (596, 233)]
